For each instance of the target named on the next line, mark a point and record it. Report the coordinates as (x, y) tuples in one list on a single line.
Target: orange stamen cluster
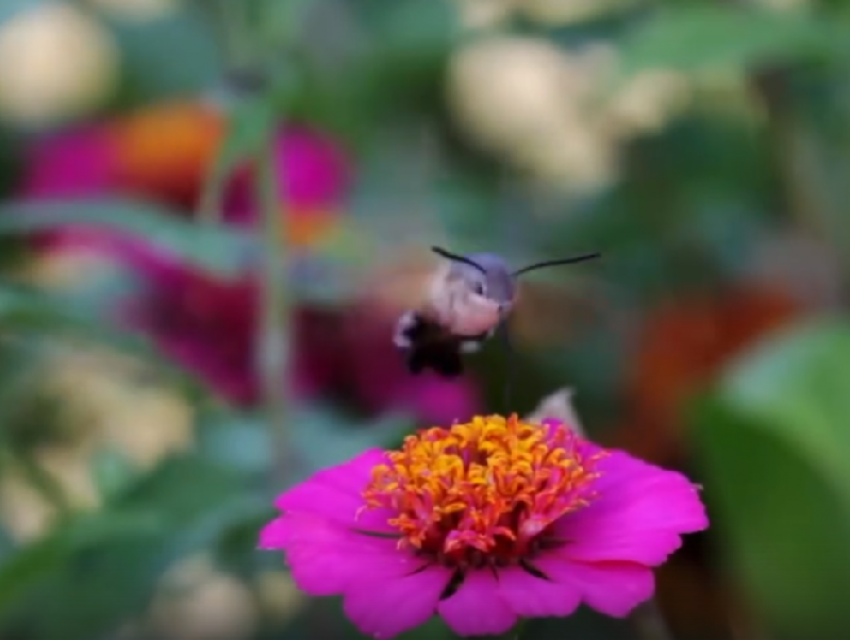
[(485, 491)]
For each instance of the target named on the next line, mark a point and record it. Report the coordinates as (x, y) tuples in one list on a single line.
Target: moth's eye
[(479, 288)]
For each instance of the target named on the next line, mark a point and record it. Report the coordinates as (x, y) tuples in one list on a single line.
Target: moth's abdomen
[(443, 360), (427, 345)]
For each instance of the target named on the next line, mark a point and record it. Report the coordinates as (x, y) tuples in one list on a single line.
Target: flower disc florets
[(484, 492)]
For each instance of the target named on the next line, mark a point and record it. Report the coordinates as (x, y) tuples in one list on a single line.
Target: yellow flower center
[(484, 492)]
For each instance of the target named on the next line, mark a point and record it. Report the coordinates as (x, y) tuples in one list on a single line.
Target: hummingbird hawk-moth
[(466, 302)]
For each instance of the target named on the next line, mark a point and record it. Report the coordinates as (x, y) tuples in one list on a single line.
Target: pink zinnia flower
[(75, 163), (483, 523), (205, 324), (125, 157)]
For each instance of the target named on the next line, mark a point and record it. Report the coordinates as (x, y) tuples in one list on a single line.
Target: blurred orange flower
[(681, 346), (167, 149)]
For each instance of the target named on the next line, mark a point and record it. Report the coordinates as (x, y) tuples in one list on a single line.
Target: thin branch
[(274, 324)]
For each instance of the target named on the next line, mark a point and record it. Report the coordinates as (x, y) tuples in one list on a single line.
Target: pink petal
[(78, 163), (612, 588), (327, 559), (315, 170), (533, 597), (639, 516), (336, 494), (275, 534), (478, 609), (383, 609)]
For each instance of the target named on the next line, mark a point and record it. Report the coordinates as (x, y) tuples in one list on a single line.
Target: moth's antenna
[(453, 256), (554, 263)]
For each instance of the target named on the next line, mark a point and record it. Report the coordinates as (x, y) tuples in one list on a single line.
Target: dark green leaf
[(420, 27), (31, 320), (698, 36), (323, 438), (7, 544), (112, 560), (434, 629), (43, 557), (112, 471), (181, 488), (240, 443), (774, 443), (167, 57)]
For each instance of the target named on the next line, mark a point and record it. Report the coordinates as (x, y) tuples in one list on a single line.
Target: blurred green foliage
[(759, 152), (773, 440)]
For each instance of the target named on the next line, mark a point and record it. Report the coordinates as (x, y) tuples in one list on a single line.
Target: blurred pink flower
[(127, 156), (77, 163), (206, 324), (483, 523), (161, 152), (349, 352), (314, 176)]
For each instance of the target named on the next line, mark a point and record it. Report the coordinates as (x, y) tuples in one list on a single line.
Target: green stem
[(210, 206), (274, 330), (236, 32), (236, 45)]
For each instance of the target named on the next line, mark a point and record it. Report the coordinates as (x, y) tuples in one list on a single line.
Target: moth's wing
[(402, 281), (547, 313)]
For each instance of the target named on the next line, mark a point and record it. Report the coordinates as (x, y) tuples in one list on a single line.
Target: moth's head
[(489, 276), (494, 281), (485, 274)]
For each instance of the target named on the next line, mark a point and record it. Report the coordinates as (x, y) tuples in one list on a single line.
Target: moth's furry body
[(463, 307)]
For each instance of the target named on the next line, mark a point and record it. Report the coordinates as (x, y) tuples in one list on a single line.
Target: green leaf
[(47, 555), (219, 251), (111, 569), (774, 444), (166, 57), (434, 629), (286, 18), (199, 498), (181, 488), (112, 471), (32, 320), (238, 442), (421, 27), (698, 36), (112, 560), (323, 437)]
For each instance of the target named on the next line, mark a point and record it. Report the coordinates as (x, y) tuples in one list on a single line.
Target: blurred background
[(213, 211)]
